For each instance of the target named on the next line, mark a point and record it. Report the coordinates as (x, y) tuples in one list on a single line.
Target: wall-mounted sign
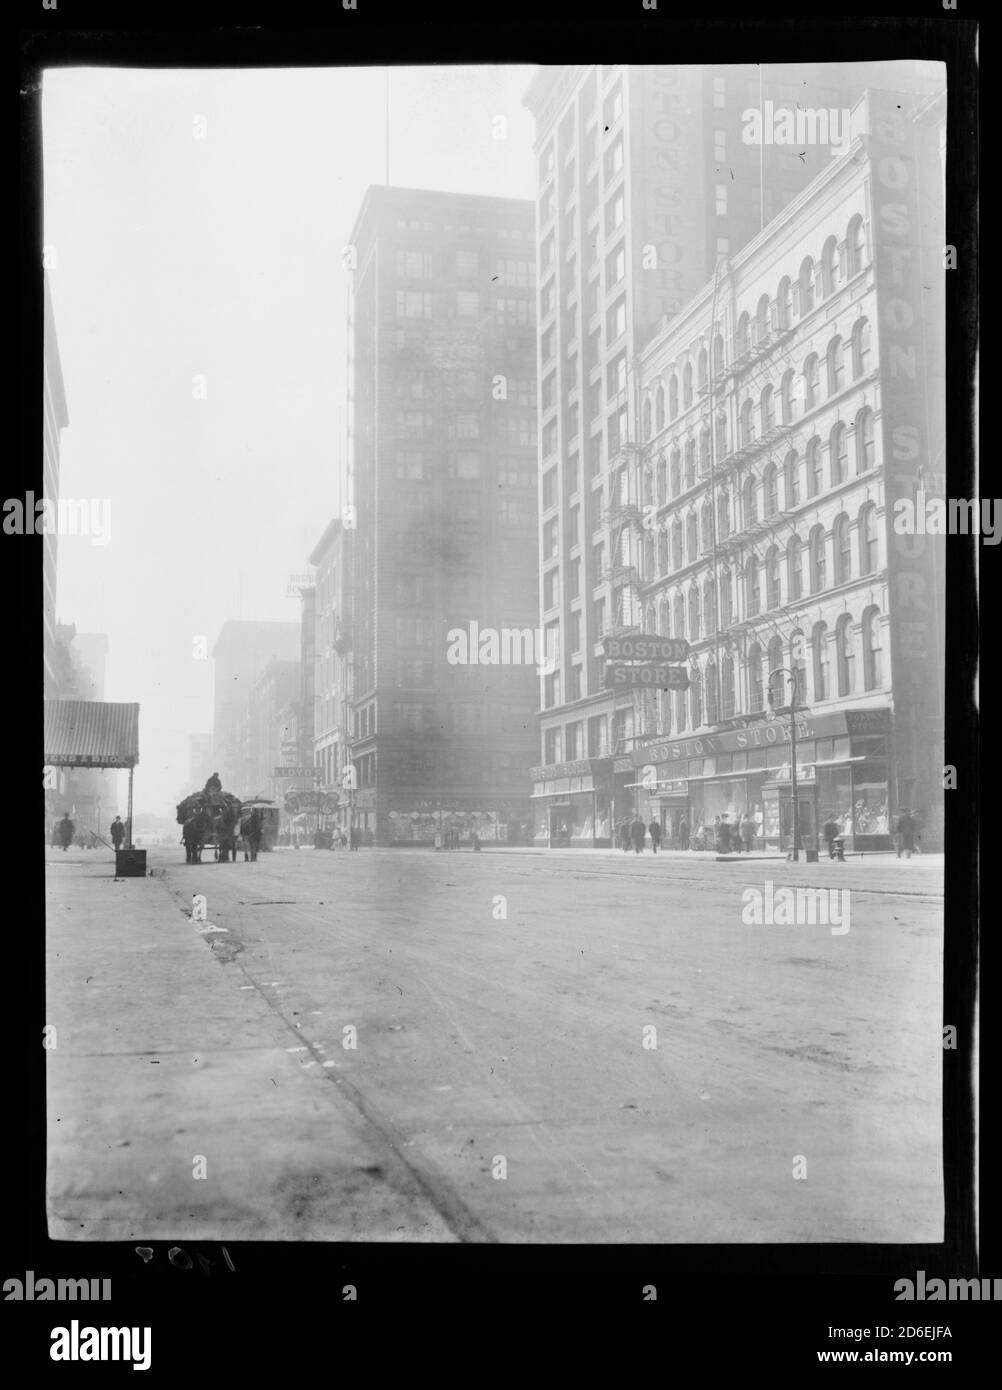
[(648, 677), (639, 648)]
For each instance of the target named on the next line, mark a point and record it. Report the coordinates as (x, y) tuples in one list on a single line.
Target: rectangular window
[(550, 547), (467, 304), (615, 267), (547, 298), (573, 526), (464, 465), (615, 320), (549, 438), (613, 161), (413, 304), (413, 265), (616, 375), (615, 212), (720, 194), (551, 588), (549, 390), (549, 489), (467, 263), (574, 632), (410, 465)]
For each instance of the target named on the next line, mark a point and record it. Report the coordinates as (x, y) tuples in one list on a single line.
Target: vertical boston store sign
[(910, 289)]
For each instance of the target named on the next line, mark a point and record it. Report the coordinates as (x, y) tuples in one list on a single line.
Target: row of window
[(775, 579), (832, 663), (815, 282), (799, 392)]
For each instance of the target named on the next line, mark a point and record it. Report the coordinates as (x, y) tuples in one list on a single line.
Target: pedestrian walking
[(638, 834), (66, 830), (476, 843), (906, 834), (624, 835), (654, 830), (830, 830), (747, 832), (117, 832), (356, 835), (683, 833), (722, 835)]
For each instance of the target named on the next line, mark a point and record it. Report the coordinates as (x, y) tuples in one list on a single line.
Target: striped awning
[(91, 733)]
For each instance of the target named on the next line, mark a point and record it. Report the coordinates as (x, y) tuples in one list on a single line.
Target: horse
[(226, 826), (193, 836), (251, 830)]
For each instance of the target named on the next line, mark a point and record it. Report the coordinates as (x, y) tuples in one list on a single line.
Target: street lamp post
[(795, 684)]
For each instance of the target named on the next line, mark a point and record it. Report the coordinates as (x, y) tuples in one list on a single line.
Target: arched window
[(710, 686), (791, 480), (648, 477), (704, 449), (690, 462), (662, 552), (836, 366), (678, 616), (819, 646), (695, 698), (838, 454), (706, 527), (811, 382), (872, 659), (664, 625), (756, 699), (770, 487), (866, 449), (694, 614), (867, 538), (772, 591), (842, 549), (727, 687), (815, 478), (777, 684), (783, 304), (753, 590), (664, 699), (806, 286), (723, 516), (721, 436), (647, 418), (676, 545), (794, 569), (702, 366), (767, 409), (829, 267), (687, 386), (673, 395), (662, 479), (679, 711), (726, 598), (816, 546), (854, 246), (709, 607), (649, 618), (844, 654), (742, 338), (798, 665), (676, 472), (691, 538), (718, 354), (786, 396), (749, 501), (659, 408), (762, 324), (747, 423), (861, 348)]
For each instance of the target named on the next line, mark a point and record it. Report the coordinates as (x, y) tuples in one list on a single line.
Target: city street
[(505, 1083)]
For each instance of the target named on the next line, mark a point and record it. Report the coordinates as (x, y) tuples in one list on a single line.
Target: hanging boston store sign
[(648, 676), (640, 648)]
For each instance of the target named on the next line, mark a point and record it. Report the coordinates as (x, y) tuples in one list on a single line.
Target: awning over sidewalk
[(91, 733)]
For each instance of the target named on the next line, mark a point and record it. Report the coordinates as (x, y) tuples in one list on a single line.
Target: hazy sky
[(177, 257)]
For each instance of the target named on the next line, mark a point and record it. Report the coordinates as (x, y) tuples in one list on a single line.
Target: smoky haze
[(173, 258)]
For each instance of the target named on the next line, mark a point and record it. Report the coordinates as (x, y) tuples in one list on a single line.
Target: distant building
[(332, 715), (271, 730), (200, 767), (240, 655), (441, 473)]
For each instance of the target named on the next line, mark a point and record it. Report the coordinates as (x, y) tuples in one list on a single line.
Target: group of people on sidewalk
[(725, 836), (66, 830)]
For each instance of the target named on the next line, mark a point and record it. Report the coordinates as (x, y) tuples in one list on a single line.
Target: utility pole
[(793, 707)]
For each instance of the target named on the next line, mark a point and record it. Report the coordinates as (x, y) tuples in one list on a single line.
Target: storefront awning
[(90, 733)]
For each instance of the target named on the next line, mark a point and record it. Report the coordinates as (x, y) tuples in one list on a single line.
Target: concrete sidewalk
[(168, 1062)]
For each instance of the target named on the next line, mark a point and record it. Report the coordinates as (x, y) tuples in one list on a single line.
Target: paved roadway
[(501, 1069)]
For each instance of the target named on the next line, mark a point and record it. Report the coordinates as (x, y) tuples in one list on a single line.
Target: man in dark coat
[(624, 835), (66, 830), (117, 832), (213, 786), (723, 835), (683, 833), (654, 830), (638, 834), (906, 834), (830, 830)]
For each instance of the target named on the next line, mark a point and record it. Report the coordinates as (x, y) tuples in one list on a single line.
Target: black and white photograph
[(493, 535)]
